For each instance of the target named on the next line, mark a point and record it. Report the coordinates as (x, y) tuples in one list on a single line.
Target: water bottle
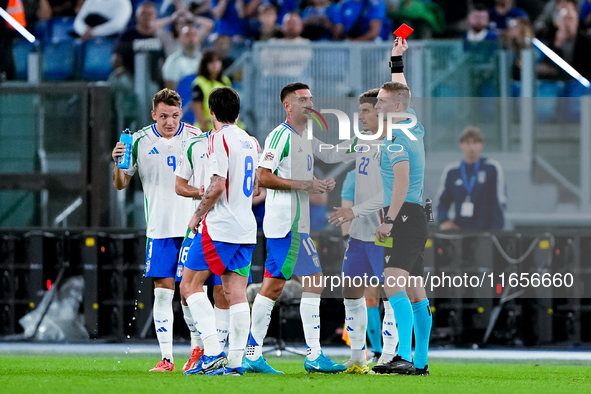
[(123, 162), (429, 210)]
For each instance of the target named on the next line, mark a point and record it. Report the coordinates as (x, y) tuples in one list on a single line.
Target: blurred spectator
[(476, 187), (544, 25), (123, 59), (283, 60), (268, 19), (586, 15), (322, 21), (478, 20), (222, 45), (479, 41), (209, 77), (229, 16), (518, 36), (284, 7), (425, 16), (502, 12), (179, 19), (185, 61), (7, 35), (102, 18), (363, 19), (56, 8), (570, 43)]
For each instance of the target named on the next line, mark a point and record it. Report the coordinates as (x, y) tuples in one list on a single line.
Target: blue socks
[(403, 312), (374, 328), (422, 325)]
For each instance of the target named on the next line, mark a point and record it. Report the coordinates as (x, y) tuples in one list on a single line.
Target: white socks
[(163, 318), (195, 337), (356, 326), (310, 313), (222, 321), (202, 312), (239, 328), (389, 332), (261, 317)]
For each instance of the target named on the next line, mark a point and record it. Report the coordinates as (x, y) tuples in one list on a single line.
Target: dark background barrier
[(117, 303)]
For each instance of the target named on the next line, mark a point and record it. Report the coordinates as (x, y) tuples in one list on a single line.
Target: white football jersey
[(232, 154), (288, 155), (368, 179), (193, 164), (155, 158)]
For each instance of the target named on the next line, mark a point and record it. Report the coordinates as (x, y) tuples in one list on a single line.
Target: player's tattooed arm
[(211, 196), (256, 189)]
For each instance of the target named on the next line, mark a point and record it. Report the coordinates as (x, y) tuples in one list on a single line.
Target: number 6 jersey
[(156, 158)]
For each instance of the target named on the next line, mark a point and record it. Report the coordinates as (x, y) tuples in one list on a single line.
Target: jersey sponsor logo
[(404, 217), (154, 151), (269, 157)]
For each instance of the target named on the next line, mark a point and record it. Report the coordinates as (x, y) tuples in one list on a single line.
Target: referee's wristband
[(346, 237), (396, 64)]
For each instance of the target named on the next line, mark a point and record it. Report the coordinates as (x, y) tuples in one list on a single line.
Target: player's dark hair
[(472, 132), (399, 91), (168, 97), (478, 7), (224, 102), (209, 55), (369, 97), (290, 88)]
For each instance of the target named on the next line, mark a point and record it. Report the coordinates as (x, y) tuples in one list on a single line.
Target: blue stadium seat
[(96, 59), (572, 102), (547, 100), (21, 53), (184, 89), (59, 60), (60, 29), (41, 30)]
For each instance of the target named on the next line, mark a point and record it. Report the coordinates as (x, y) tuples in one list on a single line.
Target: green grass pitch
[(128, 374)]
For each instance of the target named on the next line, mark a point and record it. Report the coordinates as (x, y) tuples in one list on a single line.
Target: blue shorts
[(184, 253), (219, 257), (161, 257), (363, 258), (295, 254)]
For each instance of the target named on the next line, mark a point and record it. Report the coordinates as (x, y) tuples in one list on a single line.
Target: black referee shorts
[(409, 234)]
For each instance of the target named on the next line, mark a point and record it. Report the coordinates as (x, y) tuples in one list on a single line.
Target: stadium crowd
[(186, 27)]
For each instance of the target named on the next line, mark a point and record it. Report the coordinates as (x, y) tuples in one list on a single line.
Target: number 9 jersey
[(156, 158), (232, 155)]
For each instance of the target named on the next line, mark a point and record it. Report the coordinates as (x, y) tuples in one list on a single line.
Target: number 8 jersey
[(156, 158), (233, 155)]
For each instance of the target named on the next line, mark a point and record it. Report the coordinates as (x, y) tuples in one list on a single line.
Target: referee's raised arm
[(396, 66)]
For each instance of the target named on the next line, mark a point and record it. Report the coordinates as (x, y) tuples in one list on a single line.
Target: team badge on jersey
[(481, 176), (316, 260)]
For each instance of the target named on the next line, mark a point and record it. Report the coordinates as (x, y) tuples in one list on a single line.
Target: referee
[(405, 225)]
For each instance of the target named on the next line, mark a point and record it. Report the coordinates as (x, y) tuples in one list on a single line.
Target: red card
[(403, 31)]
